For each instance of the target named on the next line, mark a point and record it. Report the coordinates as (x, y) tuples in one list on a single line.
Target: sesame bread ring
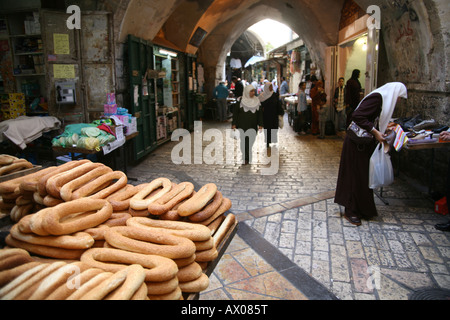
[(157, 268), (52, 224), (206, 255), (174, 295), (90, 284), (21, 291), (120, 200), (68, 189), (192, 231), (6, 159), (196, 285), (162, 287), (117, 219), (91, 191), (42, 183), (78, 240), (15, 166), (157, 242), (198, 201), (208, 210), (7, 275), (173, 197), (224, 207), (56, 279), (55, 182), (120, 286), (139, 201), (190, 272), (30, 182), (73, 284), (141, 293), (45, 251)]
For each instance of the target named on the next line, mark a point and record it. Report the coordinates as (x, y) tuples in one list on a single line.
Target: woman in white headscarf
[(247, 116), (372, 114), (271, 107)]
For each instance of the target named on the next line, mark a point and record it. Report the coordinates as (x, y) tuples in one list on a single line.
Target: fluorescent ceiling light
[(170, 53)]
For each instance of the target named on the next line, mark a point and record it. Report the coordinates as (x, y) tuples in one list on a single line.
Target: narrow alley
[(292, 242)]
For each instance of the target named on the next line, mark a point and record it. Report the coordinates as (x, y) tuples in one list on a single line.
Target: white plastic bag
[(381, 172)]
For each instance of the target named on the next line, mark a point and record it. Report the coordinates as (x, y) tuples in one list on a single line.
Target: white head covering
[(267, 93), (274, 85), (390, 92), (247, 103)]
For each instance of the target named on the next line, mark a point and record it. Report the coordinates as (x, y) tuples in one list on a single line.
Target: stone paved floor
[(291, 241)]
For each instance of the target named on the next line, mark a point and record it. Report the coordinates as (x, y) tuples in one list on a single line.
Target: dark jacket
[(246, 120)]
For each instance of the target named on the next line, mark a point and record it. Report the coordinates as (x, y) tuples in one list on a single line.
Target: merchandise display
[(125, 242)]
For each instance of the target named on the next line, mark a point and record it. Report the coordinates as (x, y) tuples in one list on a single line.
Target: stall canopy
[(253, 60)]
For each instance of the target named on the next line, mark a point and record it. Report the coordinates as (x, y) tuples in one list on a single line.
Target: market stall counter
[(158, 240)]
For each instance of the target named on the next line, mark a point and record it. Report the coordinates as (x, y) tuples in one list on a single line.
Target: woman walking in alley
[(316, 95), (352, 94), (352, 189), (247, 114), (271, 108)]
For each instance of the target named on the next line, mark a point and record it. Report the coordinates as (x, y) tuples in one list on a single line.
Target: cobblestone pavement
[(291, 241)]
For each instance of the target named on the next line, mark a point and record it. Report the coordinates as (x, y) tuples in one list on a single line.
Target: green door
[(142, 95)]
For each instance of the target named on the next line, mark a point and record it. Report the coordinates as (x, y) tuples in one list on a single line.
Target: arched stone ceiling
[(173, 22)]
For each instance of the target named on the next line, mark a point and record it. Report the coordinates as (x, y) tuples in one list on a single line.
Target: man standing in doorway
[(339, 105), (238, 87), (221, 94)]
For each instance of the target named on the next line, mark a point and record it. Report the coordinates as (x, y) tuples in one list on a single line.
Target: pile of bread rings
[(156, 237), (10, 164)]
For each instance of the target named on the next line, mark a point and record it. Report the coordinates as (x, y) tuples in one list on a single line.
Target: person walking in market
[(248, 118), (352, 188), (272, 109), (352, 94), (302, 106), (221, 94), (316, 95)]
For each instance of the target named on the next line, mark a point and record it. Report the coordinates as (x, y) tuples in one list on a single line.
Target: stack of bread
[(10, 164), (23, 278), (87, 213)]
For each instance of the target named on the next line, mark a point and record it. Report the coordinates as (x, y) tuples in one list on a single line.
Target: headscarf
[(390, 92), (267, 93), (247, 103), (274, 85)]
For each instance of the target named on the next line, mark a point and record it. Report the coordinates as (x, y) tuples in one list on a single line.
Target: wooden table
[(432, 147), (85, 152)]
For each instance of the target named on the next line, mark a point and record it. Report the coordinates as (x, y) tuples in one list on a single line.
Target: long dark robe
[(352, 189), (271, 110), (352, 97), (246, 120)]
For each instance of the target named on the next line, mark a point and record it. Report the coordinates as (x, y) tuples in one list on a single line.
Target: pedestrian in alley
[(339, 105), (238, 87), (302, 106), (445, 136), (221, 94), (352, 189), (352, 94), (316, 95), (247, 114), (284, 87), (322, 111), (271, 108)]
